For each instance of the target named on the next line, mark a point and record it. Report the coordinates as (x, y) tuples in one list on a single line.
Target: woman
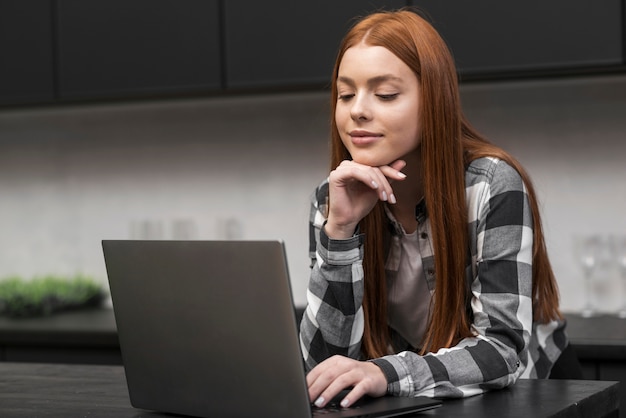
[(429, 270)]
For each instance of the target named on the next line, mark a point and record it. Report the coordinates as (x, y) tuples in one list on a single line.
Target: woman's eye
[(387, 96), (345, 97)]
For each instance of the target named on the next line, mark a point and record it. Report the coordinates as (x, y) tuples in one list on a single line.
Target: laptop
[(208, 329)]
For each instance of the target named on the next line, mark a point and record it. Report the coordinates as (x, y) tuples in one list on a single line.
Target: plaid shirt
[(506, 345)]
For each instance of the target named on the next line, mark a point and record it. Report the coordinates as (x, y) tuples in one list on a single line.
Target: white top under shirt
[(408, 294)]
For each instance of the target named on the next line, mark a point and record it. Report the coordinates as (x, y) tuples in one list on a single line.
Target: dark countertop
[(85, 328), (56, 390), (599, 337)]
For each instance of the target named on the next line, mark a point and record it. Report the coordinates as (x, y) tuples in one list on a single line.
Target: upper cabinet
[(491, 37), (287, 42), (116, 48), (64, 50), (26, 58)]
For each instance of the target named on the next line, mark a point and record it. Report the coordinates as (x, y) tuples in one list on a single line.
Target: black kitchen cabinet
[(118, 48), (494, 37), (287, 42), (26, 51), (70, 50)]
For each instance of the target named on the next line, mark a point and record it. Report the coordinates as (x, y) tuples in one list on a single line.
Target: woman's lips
[(364, 137)]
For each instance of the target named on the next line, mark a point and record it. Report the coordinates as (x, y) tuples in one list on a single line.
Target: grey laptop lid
[(208, 328)]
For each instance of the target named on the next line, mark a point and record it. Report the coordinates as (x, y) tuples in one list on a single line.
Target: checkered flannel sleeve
[(333, 320)]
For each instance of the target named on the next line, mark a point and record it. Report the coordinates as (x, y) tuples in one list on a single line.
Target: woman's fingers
[(354, 190), (386, 175), (398, 165), (337, 373), (393, 170), (329, 378), (375, 178), (371, 381)]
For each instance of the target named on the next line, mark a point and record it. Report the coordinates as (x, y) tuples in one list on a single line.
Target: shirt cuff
[(388, 371), (340, 251)]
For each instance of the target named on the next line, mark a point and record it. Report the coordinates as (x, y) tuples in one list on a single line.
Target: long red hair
[(448, 144)]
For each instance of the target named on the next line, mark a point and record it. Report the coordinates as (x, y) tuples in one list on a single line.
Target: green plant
[(45, 295)]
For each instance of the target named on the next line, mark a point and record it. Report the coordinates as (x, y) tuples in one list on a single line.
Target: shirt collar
[(421, 213)]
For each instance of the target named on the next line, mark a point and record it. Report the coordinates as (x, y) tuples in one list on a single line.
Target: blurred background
[(209, 119)]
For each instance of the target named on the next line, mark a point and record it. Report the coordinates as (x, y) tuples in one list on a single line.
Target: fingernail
[(345, 403), (392, 198), (401, 174), (319, 402), (384, 195), (374, 184)]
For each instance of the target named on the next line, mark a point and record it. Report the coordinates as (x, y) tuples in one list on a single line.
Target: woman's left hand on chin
[(337, 373)]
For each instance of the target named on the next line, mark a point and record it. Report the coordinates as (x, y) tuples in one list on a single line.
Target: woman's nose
[(360, 109)]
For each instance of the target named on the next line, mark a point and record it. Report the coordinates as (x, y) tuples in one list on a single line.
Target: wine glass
[(619, 252), (590, 251)]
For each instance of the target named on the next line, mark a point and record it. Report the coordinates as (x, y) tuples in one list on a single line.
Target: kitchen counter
[(60, 390), (600, 344), (602, 337), (90, 337), (87, 336)]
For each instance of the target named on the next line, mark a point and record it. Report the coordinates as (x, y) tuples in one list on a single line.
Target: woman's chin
[(370, 161)]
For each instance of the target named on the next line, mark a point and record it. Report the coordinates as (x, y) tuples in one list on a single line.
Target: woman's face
[(377, 105)]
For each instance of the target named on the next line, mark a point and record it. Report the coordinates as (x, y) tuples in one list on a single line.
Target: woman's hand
[(354, 190), (337, 373)]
